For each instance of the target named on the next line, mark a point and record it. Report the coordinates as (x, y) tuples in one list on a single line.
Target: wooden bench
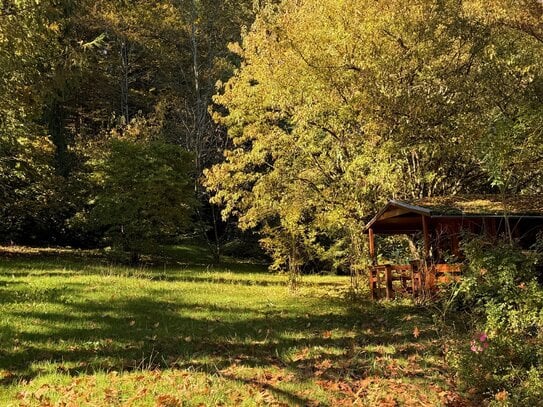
[(412, 278), (382, 277)]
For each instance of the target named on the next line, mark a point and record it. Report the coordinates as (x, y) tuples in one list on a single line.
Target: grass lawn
[(77, 331)]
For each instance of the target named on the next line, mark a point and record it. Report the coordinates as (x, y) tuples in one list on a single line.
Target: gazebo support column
[(428, 278), (426, 235), (388, 284), (371, 237), (372, 274)]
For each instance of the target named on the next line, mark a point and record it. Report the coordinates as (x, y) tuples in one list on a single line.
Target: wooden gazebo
[(440, 222)]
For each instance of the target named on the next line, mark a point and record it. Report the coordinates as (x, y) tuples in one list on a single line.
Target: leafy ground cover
[(75, 330)]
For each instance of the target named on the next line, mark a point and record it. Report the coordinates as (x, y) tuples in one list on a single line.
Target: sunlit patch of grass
[(80, 331)]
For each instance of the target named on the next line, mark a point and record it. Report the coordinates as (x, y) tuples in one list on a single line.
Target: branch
[(9, 10), (398, 40)]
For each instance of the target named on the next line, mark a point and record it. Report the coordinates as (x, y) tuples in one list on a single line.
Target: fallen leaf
[(41, 391), (501, 395), (416, 332), (166, 400), (301, 355)]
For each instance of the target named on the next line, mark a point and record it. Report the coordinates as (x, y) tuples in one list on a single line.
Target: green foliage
[(73, 71), (29, 189), (502, 359), (146, 193), (512, 150), (340, 105)]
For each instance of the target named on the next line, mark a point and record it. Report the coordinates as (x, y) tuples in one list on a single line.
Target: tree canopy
[(75, 72), (339, 105), (322, 110)]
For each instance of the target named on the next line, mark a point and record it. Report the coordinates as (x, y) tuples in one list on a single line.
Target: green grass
[(77, 331)]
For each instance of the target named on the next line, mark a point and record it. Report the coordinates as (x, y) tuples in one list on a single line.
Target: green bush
[(146, 194), (500, 359)]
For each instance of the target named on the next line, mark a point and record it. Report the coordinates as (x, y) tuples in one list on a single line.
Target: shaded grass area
[(75, 329)]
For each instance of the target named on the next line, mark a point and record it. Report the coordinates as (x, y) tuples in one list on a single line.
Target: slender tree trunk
[(124, 81), (217, 251), (198, 117), (134, 258), (55, 120), (357, 256), (201, 119), (294, 263)]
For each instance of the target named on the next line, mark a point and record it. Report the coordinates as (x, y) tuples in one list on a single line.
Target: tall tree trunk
[(55, 117), (124, 81), (201, 119)]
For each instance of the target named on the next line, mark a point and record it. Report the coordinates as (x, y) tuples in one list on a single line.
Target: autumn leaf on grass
[(166, 400), (322, 367), (6, 374), (274, 378), (40, 393), (301, 355), (23, 395), (501, 395), (329, 385), (416, 332), (364, 383), (389, 401), (111, 395)]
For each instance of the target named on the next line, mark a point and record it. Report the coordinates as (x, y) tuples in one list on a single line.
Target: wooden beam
[(394, 232), (393, 213), (426, 235), (388, 284), (371, 237), (373, 284)]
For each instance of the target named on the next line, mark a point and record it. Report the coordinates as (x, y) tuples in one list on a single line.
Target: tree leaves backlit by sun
[(340, 105)]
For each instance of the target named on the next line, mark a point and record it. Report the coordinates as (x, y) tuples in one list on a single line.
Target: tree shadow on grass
[(75, 335), (123, 334)]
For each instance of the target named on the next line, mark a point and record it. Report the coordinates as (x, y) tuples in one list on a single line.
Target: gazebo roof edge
[(467, 206), (394, 203)]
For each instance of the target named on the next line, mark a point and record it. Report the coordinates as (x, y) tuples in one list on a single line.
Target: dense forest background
[(104, 123), (121, 120)]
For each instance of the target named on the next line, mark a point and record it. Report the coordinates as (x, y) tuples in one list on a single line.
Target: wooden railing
[(413, 279)]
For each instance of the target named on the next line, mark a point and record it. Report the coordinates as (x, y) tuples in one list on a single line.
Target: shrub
[(146, 194), (501, 358)]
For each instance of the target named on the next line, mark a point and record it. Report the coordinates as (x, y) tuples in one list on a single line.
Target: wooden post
[(373, 274), (371, 237), (426, 234), (372, 283), (425, 271), (414, 287), (388, 283)]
